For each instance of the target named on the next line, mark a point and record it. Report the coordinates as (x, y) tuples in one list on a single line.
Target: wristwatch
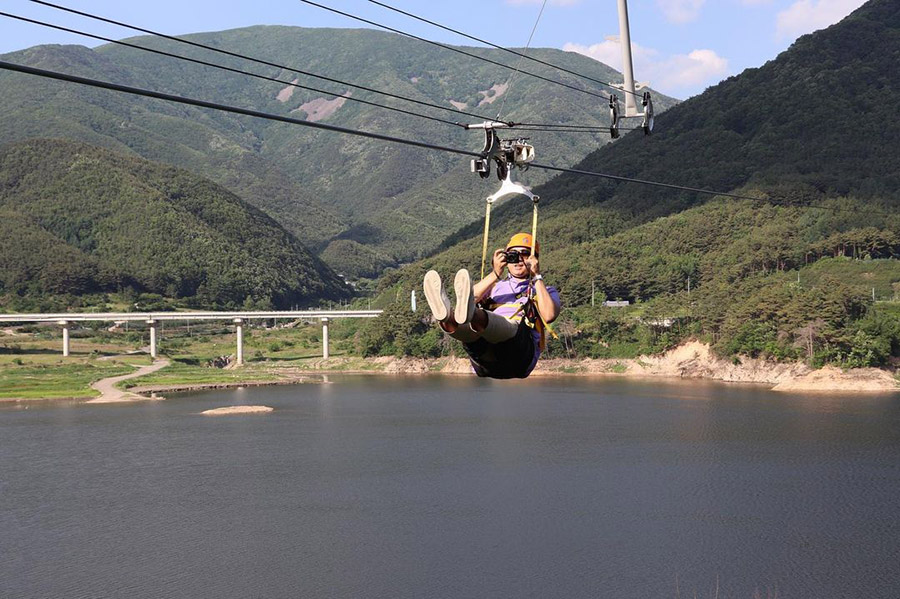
[(537, 278)]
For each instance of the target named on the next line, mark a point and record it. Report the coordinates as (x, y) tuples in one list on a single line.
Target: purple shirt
[(507, 298)]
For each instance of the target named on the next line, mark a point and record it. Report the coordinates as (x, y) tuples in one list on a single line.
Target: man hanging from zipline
[(501, 322)]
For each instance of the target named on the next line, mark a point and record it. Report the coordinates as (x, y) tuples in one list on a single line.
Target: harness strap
[(531, 305), (539, 323), (487, 229)]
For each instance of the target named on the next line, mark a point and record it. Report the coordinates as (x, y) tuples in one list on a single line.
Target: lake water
[(455, 487)]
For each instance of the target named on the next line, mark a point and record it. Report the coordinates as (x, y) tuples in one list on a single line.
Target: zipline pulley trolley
[(628, 85), (508, 155)]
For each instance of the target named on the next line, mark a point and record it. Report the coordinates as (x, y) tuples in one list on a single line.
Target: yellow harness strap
[(543, 327), (539, 323), (487, 229)]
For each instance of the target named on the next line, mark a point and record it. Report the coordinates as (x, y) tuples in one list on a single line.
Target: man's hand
[(532, 263), (498, 262)]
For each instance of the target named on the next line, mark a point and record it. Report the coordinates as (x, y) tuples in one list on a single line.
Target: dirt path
[(107, 386)]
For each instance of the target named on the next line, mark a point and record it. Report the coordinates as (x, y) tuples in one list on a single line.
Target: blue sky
[(680, 46)]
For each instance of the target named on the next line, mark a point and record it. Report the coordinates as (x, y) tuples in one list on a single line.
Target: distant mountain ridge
[(344, 196), (77, 219)]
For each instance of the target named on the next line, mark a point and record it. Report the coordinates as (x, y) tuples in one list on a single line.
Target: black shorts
[(508, 359)]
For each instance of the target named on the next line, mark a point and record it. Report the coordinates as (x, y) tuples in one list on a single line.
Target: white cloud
[(690, 70), (675, 75), (608, 52), (681, 11), (806, 16)]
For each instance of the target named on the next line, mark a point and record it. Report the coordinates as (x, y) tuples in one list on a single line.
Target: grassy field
[(880, 275), (179, 373), (51, 381), (32, 365)]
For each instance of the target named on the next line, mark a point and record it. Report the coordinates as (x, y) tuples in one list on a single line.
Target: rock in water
[(229, 410)]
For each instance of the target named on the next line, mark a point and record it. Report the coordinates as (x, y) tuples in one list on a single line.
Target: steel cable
[(8, 66)]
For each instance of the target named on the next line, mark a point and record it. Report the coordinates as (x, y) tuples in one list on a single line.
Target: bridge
[(65, 319)]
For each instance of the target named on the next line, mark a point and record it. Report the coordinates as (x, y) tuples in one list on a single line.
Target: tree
[(805, 337)]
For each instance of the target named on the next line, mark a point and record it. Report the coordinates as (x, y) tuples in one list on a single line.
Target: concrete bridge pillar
[(65, 328), (325, 338), (153, 352), (239, 329)]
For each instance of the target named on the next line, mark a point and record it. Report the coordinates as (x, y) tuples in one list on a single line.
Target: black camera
[(482, 166), (514, 257)]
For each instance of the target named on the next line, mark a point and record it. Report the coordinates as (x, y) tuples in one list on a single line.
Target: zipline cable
[(451, 48), (509, 50), (512, 78), (256, 60), (8, 66), (223, 107), (643, 182), (271, 64), (229, 69)]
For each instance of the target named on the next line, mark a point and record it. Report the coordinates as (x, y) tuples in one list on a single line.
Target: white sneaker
[(465, 301), (436, 296)]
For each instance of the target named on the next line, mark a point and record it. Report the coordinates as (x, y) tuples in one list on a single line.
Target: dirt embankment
[(835, 380), (690, 360), (696, 360)]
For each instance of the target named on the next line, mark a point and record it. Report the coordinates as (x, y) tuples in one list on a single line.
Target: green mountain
[(364, 204), (813, 121), (76, 219), (812, 132)]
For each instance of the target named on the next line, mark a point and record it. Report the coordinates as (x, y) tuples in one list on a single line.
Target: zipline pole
[(627, 64)]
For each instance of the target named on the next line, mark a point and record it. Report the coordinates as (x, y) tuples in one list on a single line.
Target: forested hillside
[(343, 196), (77, 220), (816, 120), (811, 136)]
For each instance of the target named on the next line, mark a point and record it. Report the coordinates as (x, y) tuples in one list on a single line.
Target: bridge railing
[(64, 319)]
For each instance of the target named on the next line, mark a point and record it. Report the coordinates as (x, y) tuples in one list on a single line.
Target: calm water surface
[(455, 487)]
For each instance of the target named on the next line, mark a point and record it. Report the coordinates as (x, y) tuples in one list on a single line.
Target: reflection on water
[(454, 487)]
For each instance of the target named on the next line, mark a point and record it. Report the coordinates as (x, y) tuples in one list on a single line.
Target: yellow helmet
[(523, 240)]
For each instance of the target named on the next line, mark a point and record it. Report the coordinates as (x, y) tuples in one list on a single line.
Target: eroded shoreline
[(692, 360)]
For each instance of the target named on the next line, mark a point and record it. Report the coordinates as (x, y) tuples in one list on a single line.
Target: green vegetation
[(32, 367), (743, 262), (399, 202), (790, 276), (179, 373), (827, 213), (77, 220), (399, 331), (50, 381)]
